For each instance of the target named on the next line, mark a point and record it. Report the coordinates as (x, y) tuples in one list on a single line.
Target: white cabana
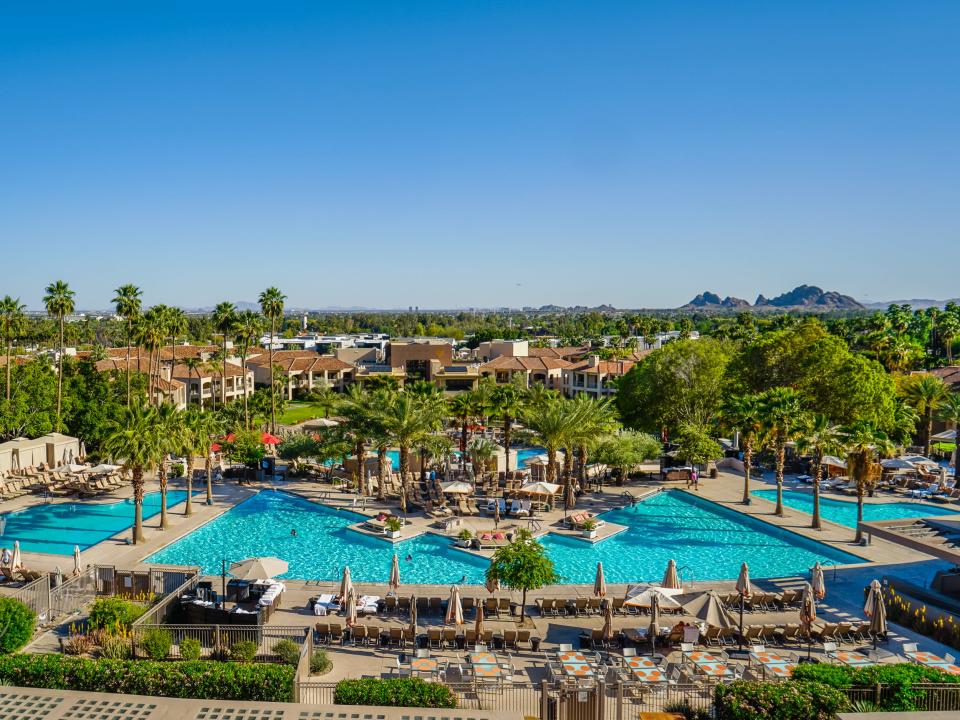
[(540, 488), (457, 487), (833, 461), (61, 449)]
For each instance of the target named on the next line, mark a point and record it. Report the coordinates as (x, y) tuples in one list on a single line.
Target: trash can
[(535, 644)]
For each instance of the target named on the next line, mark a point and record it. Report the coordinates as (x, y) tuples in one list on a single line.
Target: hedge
[(395, 692), (778, 701), (193, 680), (18, 621), (898, 678), (112, 613)]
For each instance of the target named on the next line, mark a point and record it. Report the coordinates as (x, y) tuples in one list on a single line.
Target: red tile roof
[(525, 364), (565, 353)]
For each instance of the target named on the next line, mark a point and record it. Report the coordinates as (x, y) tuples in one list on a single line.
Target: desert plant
[(393, 524), (288, 651), (156, 643), (18, 622), (114, 613), (320, 662), (243, 651), (77, 643), (190, 649), (115, 648)]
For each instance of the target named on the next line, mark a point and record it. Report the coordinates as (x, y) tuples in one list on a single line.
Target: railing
[(303, 664), (159, 613), (36, 596), (927, 697), (218, 639), (72, 595)]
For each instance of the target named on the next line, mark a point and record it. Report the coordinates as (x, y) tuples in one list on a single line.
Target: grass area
[(297, 412)]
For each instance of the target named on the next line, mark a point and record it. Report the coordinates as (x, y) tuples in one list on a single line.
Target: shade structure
[(457, 487), (708, 607), (395, 574), (600, 582), (607, 631), (454, 608), (540, 488), (654, 631), (808, 610), (351, 609), (268, 439), (643, 595), (670, 578), (15, 561), (878, 618), (413, 616), (897, 464), (346, 584), (258, 568), (874, 597), (944, 436), (478, 624), (77, 567), (743, 581), (817, 581), (833, 461)]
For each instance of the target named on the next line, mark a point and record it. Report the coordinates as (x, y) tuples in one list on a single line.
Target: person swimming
[(293, 532), (409, 558)]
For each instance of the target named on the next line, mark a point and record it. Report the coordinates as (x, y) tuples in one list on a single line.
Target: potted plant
[(393, 526), (589, 527), (464, 538)]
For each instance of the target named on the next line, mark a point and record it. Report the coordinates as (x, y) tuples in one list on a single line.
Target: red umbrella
[(268, 439), (215, 447), (230, 438)]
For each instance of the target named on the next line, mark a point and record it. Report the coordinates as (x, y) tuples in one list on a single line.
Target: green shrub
[(288, 651), (320, 662), (114, 613), (156, 643), (115, 648), (19, 622), (203, 679), (899, 680), (395, 692), (189, 649), (243, 651), (778, 701)]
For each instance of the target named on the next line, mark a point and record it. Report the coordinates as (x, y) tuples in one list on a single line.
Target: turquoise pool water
[(709, 540), (56, 528), (524, 455), (322, 546), (844, 512)]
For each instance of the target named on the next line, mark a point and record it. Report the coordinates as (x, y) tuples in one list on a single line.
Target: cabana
[(6, 457), (61, 449), (28, 453)]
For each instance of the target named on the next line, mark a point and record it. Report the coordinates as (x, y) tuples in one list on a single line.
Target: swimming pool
[(844, 512), (323, 545), (55, 528), (526, 453), (707, 539)]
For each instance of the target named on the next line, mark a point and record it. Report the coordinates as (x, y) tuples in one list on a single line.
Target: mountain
[(712, 300), (803, 297)]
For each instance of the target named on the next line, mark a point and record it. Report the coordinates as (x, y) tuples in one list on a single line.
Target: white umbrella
[(600, 583), (104, 468), (670, 579), (324, 422), (643, 595), (878, 618), (77, 567), (540, 488), (351, 609), (818, 584), (456, 487), (897, 464), (395, 574), (833, 461), (944, 436), (874, 599), (258, 568), (15, 562), (743, 581), (454, 608), (346, 585), (75, 468)]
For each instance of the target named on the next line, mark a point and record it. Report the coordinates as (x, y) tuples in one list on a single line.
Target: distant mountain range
[(803, 297)]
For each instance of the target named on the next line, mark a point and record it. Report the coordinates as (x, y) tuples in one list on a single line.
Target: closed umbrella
[(413, 616), (15, 562), (670, 579), (817, 582), (258, 568), (808, 613), (600, 583), (493, 582), (707, 607), (77, 568), (346, 585), (454, 608), (877, 613), (743, 587), (351, 609), (395, 574), (872, 596), (654, 632), (608, 621), (478, 625), (496, 513), (57, 576)]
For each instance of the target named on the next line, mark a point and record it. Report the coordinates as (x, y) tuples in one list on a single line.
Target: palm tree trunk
[(463, 442), (817, 475), (423, 465), (781, 453), (747, 460), (129, 332), (60, 376), (404, 466), (523, 607), (246, 415), (571, 498), (358, 450), (138, 505), (381, 472), (162, 477), (928, 432), (8, 364), (188, 505), (507, 428), (223, 385), (149, 378), (273, 397), (860, 488), (209, 467), (551, 464)]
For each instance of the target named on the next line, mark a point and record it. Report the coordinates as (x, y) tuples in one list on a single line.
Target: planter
[(464, 543), (392, 534), (590, 534)]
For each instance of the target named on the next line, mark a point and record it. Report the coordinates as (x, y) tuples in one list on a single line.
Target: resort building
[(456, 377), (51, 451), (304, 370), (532, 370), (205, 383), (594, 376), (413, 356), (166, 389)]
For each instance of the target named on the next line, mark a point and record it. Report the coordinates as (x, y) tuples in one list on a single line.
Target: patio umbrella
[(478, 625), (607, 621), (324, 422), (15, 562), (706, 606), (654, 631), (351, 609), (808, 613), (873, 595), (897, 464), (268, 439), (600, 583), (878, 613), (77, 567), (346, 585), (642, 596), (670, 579), (454, 608), (833, 461), (496, 512), (540, 488), (395, 574), (457, 487), (413, 616), (258, 568), (817, 581), (743, 587)]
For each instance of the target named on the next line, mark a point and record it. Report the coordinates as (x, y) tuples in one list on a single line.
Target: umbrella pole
[(740, 639), (223, 580)]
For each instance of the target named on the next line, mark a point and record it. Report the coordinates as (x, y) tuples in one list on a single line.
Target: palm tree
[(248, 329), (271, 305), (781, 414), (225, 320), (550, 423), (406, 419), (169, 431), (507, 403), (151, 336), (863, 443), (128, 306), (360, 426), (204, 427), (463, 409), (194, 365), (948, 327), (744, 413), (926, 393), (132, 440), (481, 451), (59, 304), (595, 420), (176, 326), (212, 366), (950, 413), (819, 437), (11, 312), (198, 430)]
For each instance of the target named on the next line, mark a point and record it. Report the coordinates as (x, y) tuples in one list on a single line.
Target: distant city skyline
[(452, 155)]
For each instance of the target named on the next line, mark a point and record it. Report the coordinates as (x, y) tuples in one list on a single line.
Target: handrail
[(158, 612)]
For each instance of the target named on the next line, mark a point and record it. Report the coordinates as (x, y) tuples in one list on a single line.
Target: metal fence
[(161, 611), (72, 595), (36, 596), (926, 697), (141, 584), (218, 639)]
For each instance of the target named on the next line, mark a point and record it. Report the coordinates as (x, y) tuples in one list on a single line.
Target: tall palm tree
[(864, 443), (225, 321), (408, 418), (595, 420), (248, 329), (133, 441), (463, 409), (128, 305), (926, 393), (360, 426), (507, 403), (150, 336), (550, 424), (176, 326), (11, 314), (950, 413), (212, 366), (196, 437), (744, 413), (271, 305), (59, 303), (204, 427), (194, 365), (819, 437), (781, 416), (169, 431)]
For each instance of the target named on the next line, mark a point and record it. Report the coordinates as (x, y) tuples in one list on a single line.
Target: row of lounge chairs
[(578, 520), (570, 607), (763, 602)]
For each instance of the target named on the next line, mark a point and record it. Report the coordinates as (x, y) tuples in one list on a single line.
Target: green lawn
[(297, 412)]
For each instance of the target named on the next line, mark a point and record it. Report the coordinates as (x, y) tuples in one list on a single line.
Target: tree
[(11, 315), (34, 392), (128, 305), (522, 565), (175, 326), (463, 408), (170, 437), (132, 441), (950, 413), (59, 303), (744, 413), (225, 321), (406, 419), (695, 446), (592, 420), (864, 442), (926, 393), (248, 329), (507, 403), (818, 437), (550, 423), (781, 415), (152, 333), (271, 305), (360, 425), (627, 450)]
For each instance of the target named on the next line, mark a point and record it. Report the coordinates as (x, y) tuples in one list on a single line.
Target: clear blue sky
[(479, 153)]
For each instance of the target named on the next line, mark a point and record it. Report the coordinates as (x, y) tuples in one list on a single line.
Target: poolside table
[(931, 660), (709, 664), (575, 664), (424, 665), (486, 665), (853, 659), (773, 664), (648, 675)]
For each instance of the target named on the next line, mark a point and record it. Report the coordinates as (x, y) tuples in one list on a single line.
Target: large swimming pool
[(844, 512), (57, 527), (705, 539)]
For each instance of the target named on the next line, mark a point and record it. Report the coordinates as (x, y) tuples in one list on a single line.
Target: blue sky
[(479, 153)]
